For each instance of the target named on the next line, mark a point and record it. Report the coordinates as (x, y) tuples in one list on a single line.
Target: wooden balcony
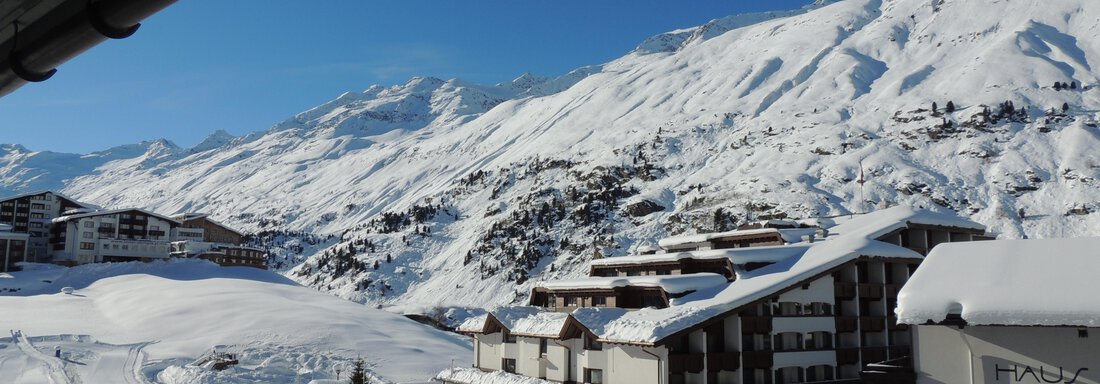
[(847, 323), (756, 324), (844, 290), (847, 355), (870, 291), (685, 362), (758, 359), (872, 323), (892, 290), (874, 354), (723, 361)]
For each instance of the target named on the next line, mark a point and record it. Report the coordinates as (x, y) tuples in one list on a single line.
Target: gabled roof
[(39, 192), (182, 217), (113, 212), (1048, 282)]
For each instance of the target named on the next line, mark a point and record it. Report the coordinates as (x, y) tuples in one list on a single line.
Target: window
[(653, 301), (820, 309), (87, 245), (38, 215), (89, 224), (590, 344), (124, 226), (106, 246), (599, 301), (36, 225), (38, 206), (542, 346), (571, 301), (125, 216), (154, 227), (509, 365), (508, 337), (86, 235), (593, 376)]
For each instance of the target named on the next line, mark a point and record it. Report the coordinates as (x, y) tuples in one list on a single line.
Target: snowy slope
[(448, 193), (166, 315)]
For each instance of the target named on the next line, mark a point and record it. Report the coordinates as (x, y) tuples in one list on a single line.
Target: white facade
[(568, 360), (113, 235), (1000, 354)]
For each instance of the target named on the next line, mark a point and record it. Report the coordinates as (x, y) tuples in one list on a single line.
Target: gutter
[(36, 47), (660, 377)]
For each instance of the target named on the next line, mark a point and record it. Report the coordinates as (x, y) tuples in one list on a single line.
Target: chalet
[(1006, 311), (32, 213), (200, 236), (115, 235), (13, 248), (814, 305)]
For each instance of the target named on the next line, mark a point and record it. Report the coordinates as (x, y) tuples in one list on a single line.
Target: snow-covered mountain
[(449, 193)]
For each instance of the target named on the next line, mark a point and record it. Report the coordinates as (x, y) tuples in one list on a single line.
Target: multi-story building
[(200, 236), (114, 235), (13, 248), (802, 305), (1006, 311), (32, 213)]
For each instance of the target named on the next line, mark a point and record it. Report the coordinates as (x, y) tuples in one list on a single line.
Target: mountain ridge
[(427, 184)]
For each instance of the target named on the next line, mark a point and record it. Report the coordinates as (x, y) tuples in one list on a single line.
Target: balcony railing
[(723, 361), (872, 323), (685, 362), (847, 323), (756, 324), (870, 291), (845, 290), (758, 359)]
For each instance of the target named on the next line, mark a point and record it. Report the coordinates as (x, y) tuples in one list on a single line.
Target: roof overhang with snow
[(1042, 282), (39, 35)]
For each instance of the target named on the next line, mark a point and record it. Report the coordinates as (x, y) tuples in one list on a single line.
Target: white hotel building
[(117, 235), (796, 305)]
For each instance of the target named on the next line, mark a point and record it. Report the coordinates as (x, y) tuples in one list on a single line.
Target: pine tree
[(935, 108), (1057, 86), (1065, 107), (950, 107), (1073, 85), (358, 373)]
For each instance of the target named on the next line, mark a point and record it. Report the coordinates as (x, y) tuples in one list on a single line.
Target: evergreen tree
[(1065, 107), (358, 373), (1057, 86), (1073, 85), (950, 107), (935, 108)]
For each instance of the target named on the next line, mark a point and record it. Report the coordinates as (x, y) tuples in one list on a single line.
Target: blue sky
[(244, 65)]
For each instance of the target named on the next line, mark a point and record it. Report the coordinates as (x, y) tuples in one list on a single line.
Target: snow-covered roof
[(113, 212), (1007, 282), (705, 237), (672, 284), (505, 316), (853, 238), (194, 216), (542, 324), (794, 264), (39, 192), (766, 254)]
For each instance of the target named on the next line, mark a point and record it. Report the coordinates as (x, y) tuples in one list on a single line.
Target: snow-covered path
[(55, 370)]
